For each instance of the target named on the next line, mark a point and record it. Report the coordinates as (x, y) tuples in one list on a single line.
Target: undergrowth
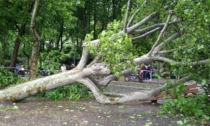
[(8, 78), (74, 91)]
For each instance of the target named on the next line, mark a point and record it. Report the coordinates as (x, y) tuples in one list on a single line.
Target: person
[(17, 67), (63, 68), (150, 72), (22, 70), (43, 72), (143, 71)]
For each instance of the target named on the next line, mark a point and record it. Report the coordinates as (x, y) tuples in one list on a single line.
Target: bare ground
[(44, 112)]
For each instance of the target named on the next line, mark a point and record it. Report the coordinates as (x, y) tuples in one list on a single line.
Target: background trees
[(57, 24)]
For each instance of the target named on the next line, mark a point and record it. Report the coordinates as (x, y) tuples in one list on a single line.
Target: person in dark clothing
[(143, 72), (43, 72), (149, 68)]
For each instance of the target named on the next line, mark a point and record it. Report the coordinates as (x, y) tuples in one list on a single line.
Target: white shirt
[(63, 68)]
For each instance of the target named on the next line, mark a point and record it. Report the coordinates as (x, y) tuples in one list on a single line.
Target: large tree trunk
[(24, 90), (33, 87)]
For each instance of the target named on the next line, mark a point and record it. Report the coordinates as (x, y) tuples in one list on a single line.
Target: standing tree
[(36, 41), (20, 25)]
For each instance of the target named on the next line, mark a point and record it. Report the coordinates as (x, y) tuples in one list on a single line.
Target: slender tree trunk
[(113, 9), (15, 53), (21, 32), (34, 59), (26, 55), (59, 43), (36, 42), (3, 51), (95, 20), (76, 33)]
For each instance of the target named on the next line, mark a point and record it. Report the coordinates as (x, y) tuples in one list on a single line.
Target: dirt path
[(44, 112)]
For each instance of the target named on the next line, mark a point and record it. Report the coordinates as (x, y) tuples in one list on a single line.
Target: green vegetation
[(196, 106), (117, 50), (74, 91), (8, 78)]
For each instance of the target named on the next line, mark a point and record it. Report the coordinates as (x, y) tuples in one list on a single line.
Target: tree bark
[(33, 87), (21, 32), (3, 52), (36, 42)]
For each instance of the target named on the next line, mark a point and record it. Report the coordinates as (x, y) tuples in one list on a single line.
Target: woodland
[(106, 37)]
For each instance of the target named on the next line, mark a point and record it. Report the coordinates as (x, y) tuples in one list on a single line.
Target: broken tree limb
[(161, 34), (24, 90)]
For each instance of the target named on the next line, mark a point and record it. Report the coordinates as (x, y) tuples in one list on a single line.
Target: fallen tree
[(131, 33)]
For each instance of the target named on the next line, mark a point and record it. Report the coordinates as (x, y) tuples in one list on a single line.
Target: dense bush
[(8, 78), (74, 91)]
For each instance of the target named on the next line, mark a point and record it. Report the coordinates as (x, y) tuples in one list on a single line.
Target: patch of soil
[(35, 111), (44, 112)]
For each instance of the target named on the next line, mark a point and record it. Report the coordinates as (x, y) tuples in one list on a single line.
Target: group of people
[(146, 72), (44, 72), (19, 69), (62, 68)]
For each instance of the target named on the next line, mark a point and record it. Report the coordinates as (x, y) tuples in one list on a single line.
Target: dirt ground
[(35, 111)]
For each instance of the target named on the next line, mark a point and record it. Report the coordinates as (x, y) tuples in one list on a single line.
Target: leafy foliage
[(196, 106), (193, 106), (51, 60), (115, 49), (8, 78), (192, 46), (74, 91)]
